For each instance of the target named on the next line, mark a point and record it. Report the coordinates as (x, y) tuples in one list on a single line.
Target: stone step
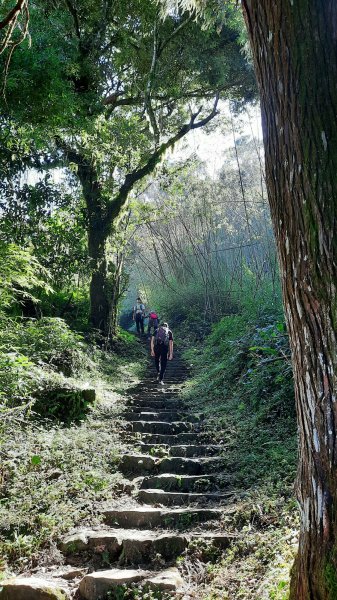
[(191, 466), (154, 404), (184, 451), (128, 546), (98, 584), (170, 440), (159, 427), (142, 415), (156, 497), (185, 483), (137, 463), (153, 384), (156, 517), (157, 389), (32, 588), (156, 394), (143, 463), (163, 416)]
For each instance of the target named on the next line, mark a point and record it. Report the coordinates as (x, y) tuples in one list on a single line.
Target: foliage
[(20, 273), (242, 382), (31, 350), (205, 238), (49, 218), (53, 478)]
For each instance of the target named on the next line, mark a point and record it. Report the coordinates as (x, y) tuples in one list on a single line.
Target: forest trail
[(176, 494)]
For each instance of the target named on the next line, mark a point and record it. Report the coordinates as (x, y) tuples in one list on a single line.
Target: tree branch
[(174, 33), (147, 98), (12, 13), (132, 178), (74, 15)]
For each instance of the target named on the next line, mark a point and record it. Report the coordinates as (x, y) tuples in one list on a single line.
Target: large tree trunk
[(100, 310), (295, 53)]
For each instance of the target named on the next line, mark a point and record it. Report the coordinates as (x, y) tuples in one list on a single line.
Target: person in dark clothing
[(138, 315), (162, 349)]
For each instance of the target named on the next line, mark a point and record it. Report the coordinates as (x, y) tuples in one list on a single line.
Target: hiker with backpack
[(162, 349), (152, 322), (138, 315)]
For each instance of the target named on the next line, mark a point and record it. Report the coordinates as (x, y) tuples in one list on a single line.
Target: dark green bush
[(64, 404)]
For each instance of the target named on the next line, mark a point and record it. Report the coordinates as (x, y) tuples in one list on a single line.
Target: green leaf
[(35, 459)]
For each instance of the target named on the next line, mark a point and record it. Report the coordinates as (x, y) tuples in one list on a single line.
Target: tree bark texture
[(97, 238), (294, 44)]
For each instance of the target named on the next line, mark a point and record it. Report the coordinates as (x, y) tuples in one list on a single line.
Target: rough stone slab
[(191, 466), (31, 588), (146, 545), (137, 517), (135, 546), (161, 427), (93, 541), (169, 580), (137, 463), (176, 498), (97, 584), (180, 483), (145, 415), (147, 516), (193, 451), (180, 465), (182, 438), (156, 405)]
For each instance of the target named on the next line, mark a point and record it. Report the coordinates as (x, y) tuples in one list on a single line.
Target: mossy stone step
[(141, 415), (143, 463), (96, 585), (157, 517), (161, 427), (184, 483), (173, 404), (32, 588), (137, 463), (129, 546), (156, 497), (163, 416), (158, 391), (183, 451), (170, 440), (191, 466)]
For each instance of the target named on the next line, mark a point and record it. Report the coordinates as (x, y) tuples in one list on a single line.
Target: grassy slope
[(54, 476), (247, 398)]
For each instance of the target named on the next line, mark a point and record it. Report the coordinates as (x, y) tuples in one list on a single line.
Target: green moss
[(330, 577)]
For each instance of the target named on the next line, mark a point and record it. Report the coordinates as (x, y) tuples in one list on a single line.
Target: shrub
[(65, 404)]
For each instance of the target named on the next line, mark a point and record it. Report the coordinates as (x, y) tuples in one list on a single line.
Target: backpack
[(139, 308), (153, 315), (162, 336)]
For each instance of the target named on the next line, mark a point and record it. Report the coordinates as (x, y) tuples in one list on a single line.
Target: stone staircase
[(179, 491)]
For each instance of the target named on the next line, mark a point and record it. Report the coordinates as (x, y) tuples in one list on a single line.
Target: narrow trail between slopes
[(175, 498)]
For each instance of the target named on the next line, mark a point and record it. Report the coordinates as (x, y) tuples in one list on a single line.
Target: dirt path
[(174, 497)]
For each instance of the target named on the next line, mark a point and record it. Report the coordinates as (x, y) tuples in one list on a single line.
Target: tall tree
[(126, 85), (295, 48)]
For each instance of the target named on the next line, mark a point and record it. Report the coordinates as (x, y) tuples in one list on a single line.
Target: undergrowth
[(242, 382), (54, 473)]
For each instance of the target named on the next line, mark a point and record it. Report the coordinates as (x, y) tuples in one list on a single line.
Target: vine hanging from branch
[(13, 31)]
